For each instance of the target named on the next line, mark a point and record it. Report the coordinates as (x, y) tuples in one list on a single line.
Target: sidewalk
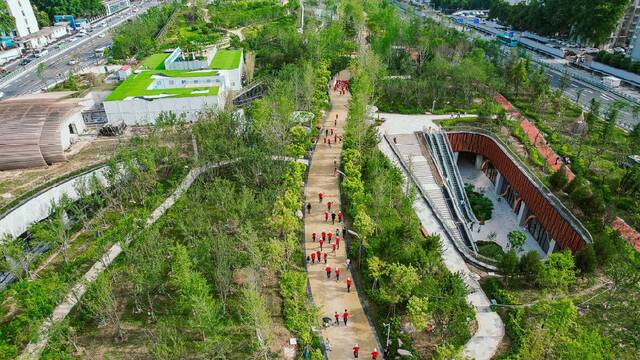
[(488, 337), (329, 295)]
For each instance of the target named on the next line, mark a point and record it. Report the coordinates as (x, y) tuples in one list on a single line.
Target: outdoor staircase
[(444, 160), (415, 156)]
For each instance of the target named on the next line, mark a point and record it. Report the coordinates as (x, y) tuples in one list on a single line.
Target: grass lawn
[(155, 61), (490, 249), (226, 59), (137, 84)]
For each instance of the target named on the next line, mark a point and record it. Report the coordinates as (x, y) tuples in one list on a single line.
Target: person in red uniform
[(340, 216), (333, 246), (318, 253), (345, 317), (324, 235), (320, 196), (329, 206), (337, 316), (374, 354), (330, 235), (356, 351), (313, 258), (326, 216), (349, 282), (338, 274), (328, 270), (325, 257), (321, 243)]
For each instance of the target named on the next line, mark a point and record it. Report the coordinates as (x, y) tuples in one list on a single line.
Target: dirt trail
[(328, 294)]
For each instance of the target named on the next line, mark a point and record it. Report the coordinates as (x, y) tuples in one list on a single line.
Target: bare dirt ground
[(87, 152)]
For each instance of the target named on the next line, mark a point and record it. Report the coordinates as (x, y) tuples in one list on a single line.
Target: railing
[(463, 229), (477, 260), (542, 188), (452, 173)]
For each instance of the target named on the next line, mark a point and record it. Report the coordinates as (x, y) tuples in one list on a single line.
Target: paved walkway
[(328, 294), (485, 342)]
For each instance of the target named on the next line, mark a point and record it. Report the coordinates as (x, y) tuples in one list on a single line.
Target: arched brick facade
[(551, 218)]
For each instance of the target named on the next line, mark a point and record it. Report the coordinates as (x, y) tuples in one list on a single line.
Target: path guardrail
[(479, 261)]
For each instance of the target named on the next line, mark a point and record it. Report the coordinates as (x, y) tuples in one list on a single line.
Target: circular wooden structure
[(31, 129)]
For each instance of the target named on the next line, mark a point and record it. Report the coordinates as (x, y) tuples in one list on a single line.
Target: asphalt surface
[(57, 68), (625, 118)]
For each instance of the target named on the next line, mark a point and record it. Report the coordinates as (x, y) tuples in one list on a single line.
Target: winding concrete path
[(328, 294), (60, 312)]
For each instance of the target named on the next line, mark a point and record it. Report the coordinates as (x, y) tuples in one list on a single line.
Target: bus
[(505, 39)]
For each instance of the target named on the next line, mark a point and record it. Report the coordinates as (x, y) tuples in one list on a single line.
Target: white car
[(72, 62), (102, 35), (1, 94)]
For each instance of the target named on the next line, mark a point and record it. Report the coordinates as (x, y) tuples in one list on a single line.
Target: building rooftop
[(137, 85), (226, 59)]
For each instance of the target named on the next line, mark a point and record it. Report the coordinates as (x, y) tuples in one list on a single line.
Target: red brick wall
[(561, 231)]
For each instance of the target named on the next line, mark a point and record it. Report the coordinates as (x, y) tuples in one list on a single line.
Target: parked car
[(25, 61), (102, 35), (41, 53), (72, 62)]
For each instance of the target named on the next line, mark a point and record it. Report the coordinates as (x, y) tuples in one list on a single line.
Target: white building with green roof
[(152, 89)]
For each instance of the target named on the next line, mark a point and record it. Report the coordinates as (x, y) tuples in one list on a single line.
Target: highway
[(57, 66), (625, 121)]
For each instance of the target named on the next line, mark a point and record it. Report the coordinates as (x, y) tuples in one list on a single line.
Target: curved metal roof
[(30, 129)]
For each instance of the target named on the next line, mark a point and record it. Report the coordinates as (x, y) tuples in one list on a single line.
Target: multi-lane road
[(59, 64), (606, 98)]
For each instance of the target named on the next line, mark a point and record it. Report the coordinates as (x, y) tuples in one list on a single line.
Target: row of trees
[(401, 269), (585, 20), (618, 60), (78, 233), (77, 8), (137, 38), (215, 294)]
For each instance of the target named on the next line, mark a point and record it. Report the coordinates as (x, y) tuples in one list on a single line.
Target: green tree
[(558, 179), (7, 22), (448, 352), (419, 313), (41, 17), (509, 264), (530, 265), (565, 80), (558, 271), (516, 239), (586, 259)]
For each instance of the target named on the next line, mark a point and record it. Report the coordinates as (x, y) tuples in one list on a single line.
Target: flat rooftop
[(226, 59), (137, 85)]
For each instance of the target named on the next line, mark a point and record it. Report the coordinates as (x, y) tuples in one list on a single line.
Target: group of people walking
[(327, 238), (341, 86)]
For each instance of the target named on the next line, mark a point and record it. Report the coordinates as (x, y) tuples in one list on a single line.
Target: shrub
[(586, 259), (530, 265), (558, 271), (482, 207), (558, 179)]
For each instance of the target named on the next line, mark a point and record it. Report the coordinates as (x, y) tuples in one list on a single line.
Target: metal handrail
[(542, 188), (456, 210), (477, 260), (456, 173)]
